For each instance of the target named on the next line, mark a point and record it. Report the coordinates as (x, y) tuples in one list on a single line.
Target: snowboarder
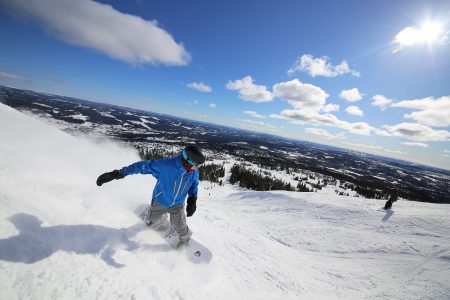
[(392, 197), (176, 177)]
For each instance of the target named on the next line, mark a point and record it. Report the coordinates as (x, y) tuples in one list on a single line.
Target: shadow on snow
[(388, 214), (35, 243)]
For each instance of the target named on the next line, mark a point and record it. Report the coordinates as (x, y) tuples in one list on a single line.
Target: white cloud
[(324, 133), (309, 100), (254, 114), (407, 37), (193, 103), (375, 148), (432, 112), (212, 105), (277, 117), (321, 67), (431, 32), (249, 91), (445, 39), (446, 151), (9, 75), (100, 27), (301, 95), (360, 128), (398, 152), (351, 95), (302, 117), (199, 86), (381, 132), (258, 124), (380, 101), (330, 107), (355, 111), (418, 132), (354, 146), (417, 144), (309, 107), (318, 131)]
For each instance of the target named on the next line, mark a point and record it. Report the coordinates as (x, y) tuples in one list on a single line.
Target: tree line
[(212, 172), (258, 181), (154, 153)]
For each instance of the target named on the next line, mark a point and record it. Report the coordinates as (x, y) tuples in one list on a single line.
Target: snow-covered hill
[(56, 226)]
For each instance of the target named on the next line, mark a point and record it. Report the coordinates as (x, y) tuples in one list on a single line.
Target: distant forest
[(258, 181)]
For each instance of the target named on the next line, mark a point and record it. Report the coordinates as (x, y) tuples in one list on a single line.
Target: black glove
[(107, 177), (191, 205)]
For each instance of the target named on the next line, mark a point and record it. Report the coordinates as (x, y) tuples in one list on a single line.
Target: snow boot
[(182, 244)]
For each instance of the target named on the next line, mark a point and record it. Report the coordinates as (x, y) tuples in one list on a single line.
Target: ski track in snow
[(62, 237)]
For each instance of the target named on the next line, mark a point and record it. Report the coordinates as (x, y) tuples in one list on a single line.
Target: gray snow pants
[(177, 219)]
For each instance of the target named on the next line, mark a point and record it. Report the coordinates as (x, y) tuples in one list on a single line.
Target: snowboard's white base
[(195, 251)]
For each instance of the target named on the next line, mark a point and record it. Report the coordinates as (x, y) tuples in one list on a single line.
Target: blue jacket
[(174, 181)]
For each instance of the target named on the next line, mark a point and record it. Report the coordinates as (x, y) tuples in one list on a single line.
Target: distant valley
[(317, 166)]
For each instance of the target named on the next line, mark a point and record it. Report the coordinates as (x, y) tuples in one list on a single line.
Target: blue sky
[(372, 76)]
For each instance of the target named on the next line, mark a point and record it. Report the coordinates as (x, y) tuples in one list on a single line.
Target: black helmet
[(193, 155)]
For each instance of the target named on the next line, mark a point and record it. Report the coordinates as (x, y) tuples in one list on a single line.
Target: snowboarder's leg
[(145, 215), (388, 204), (178, 221), (156, 216)]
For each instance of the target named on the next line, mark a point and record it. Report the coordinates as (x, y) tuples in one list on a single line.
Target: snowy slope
[(62, 237)]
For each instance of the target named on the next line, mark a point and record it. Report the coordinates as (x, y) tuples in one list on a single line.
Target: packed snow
[(62, 237), (43, 105), (79, 117)]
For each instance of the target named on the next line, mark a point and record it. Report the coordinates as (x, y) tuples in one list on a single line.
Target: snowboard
[(195, 251)]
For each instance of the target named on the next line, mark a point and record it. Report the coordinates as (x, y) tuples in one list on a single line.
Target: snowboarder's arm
[(192, 196), (143, 167), (191, 205), (194, 186)]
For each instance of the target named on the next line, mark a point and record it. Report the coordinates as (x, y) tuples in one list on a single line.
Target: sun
[(430, 31)]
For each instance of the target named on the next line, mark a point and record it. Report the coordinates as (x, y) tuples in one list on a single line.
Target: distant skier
[(176, 177), (392, 197)]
